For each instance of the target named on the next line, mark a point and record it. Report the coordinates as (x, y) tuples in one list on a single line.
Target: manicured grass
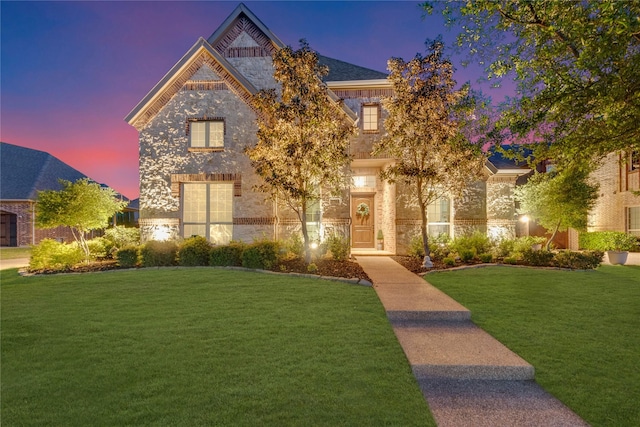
[(15, 253), (200, 347), (580, 330)]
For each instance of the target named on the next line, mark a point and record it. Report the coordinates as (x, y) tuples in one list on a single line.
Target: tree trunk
[(423, 230), (553, 236), (305, 233)]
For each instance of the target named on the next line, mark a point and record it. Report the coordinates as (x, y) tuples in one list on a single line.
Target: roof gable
[(189, 67), (243, 34), (24, 172)]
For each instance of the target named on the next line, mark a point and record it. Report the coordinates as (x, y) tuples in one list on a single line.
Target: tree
[(82, 205), (424, 135), (558, 200), (577, 65), (303, 136)]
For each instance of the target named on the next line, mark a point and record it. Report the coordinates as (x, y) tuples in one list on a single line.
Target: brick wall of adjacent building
[(27, 234)]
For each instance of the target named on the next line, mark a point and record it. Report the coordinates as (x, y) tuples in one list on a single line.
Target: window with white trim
[(206, 134), (313, 221), (370, 117), (207, 210), (633, 220), (439, 216)]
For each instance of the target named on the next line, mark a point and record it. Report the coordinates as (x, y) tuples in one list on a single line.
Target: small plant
[(98, 248), (380, 235), (415, 247), (295, 245), (466, 255), (486, 258), (128, 256), (448, 261), (159, 254), (119, 237), (50, 254), (312, 268), (194, 251), (227, 255), (339, 247), (511, 260), (477, 242)]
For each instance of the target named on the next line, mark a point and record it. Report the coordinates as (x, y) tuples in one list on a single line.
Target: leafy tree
[(424, 132), (82, 205), (558, 200), (577, 65), (303, 135)]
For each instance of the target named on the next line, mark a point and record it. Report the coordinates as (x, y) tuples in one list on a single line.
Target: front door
[(362, 220)]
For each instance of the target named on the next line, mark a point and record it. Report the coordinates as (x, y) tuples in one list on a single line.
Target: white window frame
[(447, 223), (206, 134), (370, 117), (213, 212)]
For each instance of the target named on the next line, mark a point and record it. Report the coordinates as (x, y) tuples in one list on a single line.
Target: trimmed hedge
[(608, 241), (228, 255), (194, 251), (128, 256), (261, 255), (578, 260), (50, 254), (159, 254)]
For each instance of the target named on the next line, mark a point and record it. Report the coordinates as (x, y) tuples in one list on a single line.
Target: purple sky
[(71, 71)]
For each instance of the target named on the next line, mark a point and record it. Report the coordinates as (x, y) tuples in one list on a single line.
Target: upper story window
[(370, 116), (634, 161), (206, 134)]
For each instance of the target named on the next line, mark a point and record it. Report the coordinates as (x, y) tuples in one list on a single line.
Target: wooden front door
[(362, 220)]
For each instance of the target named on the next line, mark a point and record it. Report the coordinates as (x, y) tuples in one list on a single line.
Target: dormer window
[(206, 135)]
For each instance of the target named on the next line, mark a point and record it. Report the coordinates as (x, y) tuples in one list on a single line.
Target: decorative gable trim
[(243, 24), (201, 53)]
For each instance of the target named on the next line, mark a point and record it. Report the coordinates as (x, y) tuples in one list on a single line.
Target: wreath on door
[(362, 210)]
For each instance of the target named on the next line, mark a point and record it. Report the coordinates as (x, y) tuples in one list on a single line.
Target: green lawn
[(580, 329), (200, 347), (15, 253)]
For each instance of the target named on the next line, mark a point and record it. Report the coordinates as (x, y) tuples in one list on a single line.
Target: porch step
[(460, 351)]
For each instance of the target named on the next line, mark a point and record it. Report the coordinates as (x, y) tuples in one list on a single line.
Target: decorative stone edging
[(352, 281)]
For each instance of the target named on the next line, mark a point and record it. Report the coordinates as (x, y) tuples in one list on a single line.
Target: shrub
[(466, 255), (608, 241), (158, 254), (339, 247), (486, 258), (50, 254), (98, 248), (261, 255), (510, 260), (295, 245), (416, 249), (525, 243), (477, 242), (119, 237), (439, 246), (228, 255), (449, 261), (504, 248), (537, 258), (128, 256), (194, 251), (312, 268), (578, 260)]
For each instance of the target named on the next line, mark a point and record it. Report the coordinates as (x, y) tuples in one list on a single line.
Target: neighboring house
[(196, 180), (24, 172), (618, 208)]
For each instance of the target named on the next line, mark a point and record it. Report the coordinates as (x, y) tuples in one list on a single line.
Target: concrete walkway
[(13, 263), (467, 377)]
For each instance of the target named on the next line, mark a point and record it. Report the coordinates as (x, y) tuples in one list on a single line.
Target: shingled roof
[(24, 172), (343, 71)]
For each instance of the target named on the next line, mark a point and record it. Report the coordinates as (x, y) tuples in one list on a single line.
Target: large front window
[(207, 134), (207, 210), (439, 215)]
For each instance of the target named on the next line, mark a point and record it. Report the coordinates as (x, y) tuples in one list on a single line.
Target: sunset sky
[(71, 71)]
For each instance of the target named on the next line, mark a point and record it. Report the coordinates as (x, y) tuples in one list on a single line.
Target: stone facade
[(215, 80)]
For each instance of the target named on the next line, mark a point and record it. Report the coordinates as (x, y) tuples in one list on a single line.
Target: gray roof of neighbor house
[(343, 71), (24, 172), (500, 161)]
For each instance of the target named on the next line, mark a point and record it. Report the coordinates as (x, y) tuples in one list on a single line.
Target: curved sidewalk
[(467, 377)]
